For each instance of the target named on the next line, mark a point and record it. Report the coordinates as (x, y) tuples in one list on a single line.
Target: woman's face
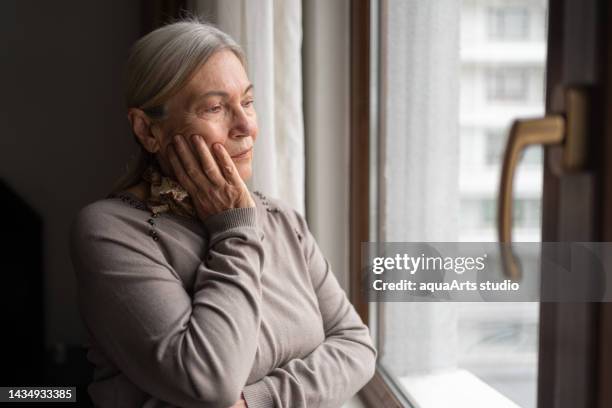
[(217, 103)]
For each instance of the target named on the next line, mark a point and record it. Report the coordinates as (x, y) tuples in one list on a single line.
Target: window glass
[(508, 23), (507, 84), (449, 91)]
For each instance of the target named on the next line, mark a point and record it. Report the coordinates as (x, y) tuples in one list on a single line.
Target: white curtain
[(421, 167), (270, 31)]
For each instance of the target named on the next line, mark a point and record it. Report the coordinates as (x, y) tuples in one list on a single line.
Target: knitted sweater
[(184, 313)]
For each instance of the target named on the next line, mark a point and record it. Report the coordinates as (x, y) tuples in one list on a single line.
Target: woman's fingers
[(208, 163), (213, 182), (190, 164), (220, 189), (179, 171), (227, 165)]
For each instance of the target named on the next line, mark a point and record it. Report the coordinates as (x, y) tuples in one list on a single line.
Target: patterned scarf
[(166, 194)]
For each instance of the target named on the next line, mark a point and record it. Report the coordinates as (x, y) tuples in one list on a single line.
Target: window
[(507, 84), (508, 23), (495, 140), (481, 213), (427, 188), (529, 213), (495, 143), (533, 156)]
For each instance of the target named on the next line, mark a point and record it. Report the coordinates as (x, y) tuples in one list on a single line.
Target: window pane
[(510, 84), (449, 91), (508, 22)]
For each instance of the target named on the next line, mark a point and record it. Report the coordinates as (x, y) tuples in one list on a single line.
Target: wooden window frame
[(379, 392), (605, 309)]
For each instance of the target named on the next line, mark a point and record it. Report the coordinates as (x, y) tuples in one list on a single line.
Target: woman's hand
[(213, 185)]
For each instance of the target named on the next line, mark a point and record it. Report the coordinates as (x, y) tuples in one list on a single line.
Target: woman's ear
[(141, 126)]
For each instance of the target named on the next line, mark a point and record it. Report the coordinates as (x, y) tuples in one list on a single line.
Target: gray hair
[(159, 65)]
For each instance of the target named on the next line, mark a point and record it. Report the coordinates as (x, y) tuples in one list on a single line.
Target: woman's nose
[(241, 122)]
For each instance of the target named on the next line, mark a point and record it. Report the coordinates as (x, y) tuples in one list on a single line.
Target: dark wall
[(65, 136)]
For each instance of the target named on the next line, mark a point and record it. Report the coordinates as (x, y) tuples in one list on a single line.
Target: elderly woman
[(193, 291)]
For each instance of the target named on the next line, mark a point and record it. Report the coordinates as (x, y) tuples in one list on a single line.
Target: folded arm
[(338, 367)]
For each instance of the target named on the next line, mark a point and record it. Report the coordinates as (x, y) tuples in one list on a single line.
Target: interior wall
[(65, 134)]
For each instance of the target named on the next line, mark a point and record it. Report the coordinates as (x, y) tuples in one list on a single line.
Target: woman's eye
[(214, 109), (248, 103)]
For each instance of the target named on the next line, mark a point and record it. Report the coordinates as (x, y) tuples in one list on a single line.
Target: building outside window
[(507, 84), (508, 23), (495, 143)]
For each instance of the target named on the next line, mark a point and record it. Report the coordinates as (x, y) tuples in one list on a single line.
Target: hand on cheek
[(212, 180)]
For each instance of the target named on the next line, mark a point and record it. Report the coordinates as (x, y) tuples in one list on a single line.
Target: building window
[(533, 156), (507, 84), (525, 212), (508, 23), (494, 145), (489, 213)]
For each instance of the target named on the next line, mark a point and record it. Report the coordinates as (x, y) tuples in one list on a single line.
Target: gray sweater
[(184, 313)]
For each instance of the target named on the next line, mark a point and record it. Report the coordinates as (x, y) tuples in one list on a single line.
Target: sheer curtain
[(271, 34), (420, 164)]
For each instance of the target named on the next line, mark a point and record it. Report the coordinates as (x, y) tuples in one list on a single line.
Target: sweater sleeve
[(189, 351), (338, 367)]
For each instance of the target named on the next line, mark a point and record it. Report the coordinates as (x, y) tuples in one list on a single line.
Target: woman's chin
[(244, 170)]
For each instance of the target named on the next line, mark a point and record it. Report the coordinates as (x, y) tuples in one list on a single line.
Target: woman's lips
[(243, 154)]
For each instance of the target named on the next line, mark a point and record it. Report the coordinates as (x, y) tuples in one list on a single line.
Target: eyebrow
[(217, 93)]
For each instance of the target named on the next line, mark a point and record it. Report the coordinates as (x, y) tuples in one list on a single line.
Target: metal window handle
[(568, 130)]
